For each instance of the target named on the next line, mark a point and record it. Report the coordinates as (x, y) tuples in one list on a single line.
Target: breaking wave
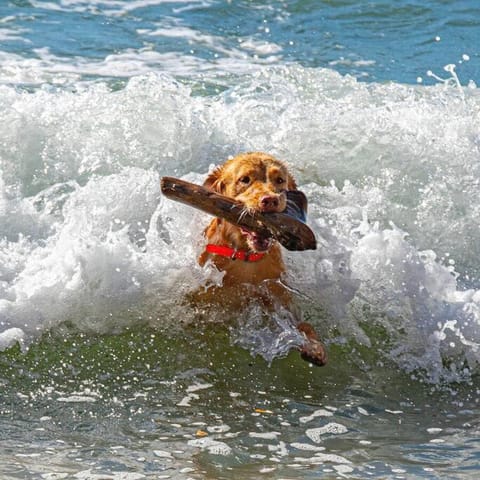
[(391, 172)]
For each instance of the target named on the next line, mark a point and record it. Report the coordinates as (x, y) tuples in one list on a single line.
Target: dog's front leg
[(312, 350)]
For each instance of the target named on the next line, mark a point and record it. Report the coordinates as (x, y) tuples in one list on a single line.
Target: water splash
[(391, 173)]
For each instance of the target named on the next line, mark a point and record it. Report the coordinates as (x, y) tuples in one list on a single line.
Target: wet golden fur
[(260, 182)]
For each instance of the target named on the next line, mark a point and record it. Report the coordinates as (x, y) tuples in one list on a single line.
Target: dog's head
[(260, 182)]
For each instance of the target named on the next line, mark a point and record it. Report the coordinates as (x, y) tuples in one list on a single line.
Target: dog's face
[(260, 182)]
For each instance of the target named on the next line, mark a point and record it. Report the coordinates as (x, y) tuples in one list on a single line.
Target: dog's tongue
[(259, 243)]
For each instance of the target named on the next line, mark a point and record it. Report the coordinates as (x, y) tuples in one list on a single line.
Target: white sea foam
[(265, 435), (307, 446), (317, 413), (213, 447), (107, 7), (332, 428), (45, 67), (85, 236), (321, 458)]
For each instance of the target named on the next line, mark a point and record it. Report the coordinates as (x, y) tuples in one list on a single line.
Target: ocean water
[(107, 371)]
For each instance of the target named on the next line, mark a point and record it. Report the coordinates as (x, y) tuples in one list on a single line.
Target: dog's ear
[(214, 182)]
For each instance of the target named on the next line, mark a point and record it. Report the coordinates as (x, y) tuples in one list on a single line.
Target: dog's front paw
[(313, 351)]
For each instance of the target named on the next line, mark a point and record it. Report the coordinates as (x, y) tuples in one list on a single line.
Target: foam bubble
[(265, 435), (214, 447), (10, 337), (332, 428), (321, 458), (308, 447), (317, 413)]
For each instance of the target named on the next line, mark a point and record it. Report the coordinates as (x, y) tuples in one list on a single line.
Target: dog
[(252, 263)]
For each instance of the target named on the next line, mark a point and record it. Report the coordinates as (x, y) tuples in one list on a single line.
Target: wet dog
[(252, 263)]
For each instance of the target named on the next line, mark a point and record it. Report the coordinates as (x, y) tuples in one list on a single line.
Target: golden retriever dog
[(252, 264)]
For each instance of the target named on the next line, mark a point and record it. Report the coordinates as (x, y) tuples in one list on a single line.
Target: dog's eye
[(245, 179), (280, 180)]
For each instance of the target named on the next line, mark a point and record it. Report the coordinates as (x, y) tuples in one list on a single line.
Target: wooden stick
[(292, 233)]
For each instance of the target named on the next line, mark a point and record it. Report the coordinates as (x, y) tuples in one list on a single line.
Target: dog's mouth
[(256, 241)]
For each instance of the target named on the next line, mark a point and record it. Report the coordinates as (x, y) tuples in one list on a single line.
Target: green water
[(135, 405)]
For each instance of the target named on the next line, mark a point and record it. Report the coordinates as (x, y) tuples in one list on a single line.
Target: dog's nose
[(269, 203)]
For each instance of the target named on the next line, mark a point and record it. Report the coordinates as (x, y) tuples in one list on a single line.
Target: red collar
[(234, 254)]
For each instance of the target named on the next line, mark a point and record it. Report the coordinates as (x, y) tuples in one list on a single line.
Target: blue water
[(373, 41), (106, 370)]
